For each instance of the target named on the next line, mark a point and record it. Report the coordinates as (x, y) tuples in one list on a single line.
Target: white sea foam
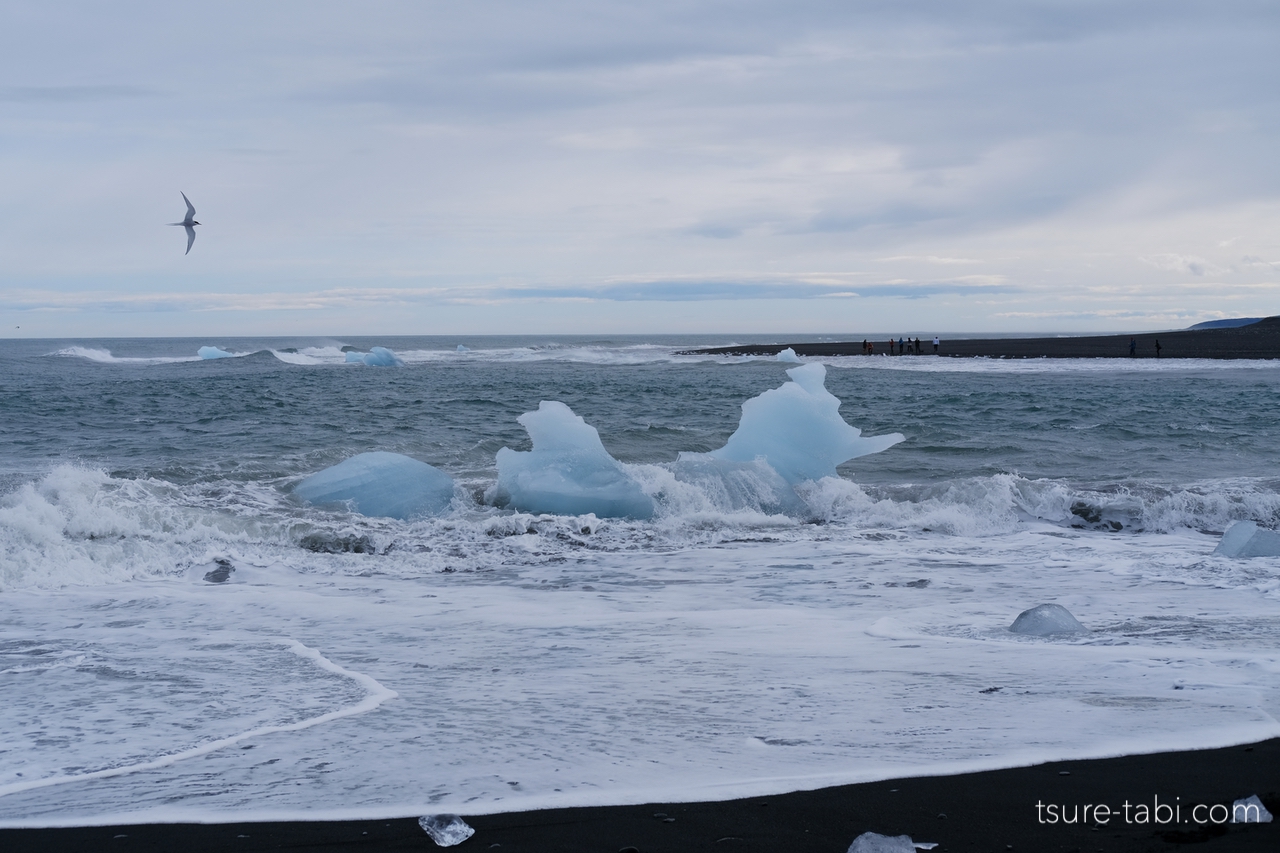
[(105, 357), (627, 676)]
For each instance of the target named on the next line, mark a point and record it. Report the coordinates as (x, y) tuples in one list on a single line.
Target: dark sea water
[(489, 659)]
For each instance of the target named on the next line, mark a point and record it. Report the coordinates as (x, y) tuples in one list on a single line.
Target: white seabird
[(188, 222)]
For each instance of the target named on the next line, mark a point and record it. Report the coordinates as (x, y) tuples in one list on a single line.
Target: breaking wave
[(83, 526)]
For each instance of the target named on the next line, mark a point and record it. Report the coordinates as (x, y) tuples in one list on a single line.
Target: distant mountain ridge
[(1224, 324)]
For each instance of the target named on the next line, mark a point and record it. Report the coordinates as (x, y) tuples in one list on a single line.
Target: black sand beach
[(1257, 340), (994, 811)]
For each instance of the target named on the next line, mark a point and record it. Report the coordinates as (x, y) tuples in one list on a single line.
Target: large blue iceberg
[(381, 484), (375, 357), (797, 430), (568, 472)]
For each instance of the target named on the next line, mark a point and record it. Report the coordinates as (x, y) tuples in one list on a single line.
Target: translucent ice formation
[(1246, 539), (446, 830), (798, 430), (381, 484), (213, 352), (568, 472), (1045, 620), (874, 842), (375, 357), (789, 354), (1250, 810)]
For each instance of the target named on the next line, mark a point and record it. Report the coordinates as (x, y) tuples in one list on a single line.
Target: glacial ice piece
[(789, 354), (798, 430), (1250, 810), (1045, 620), (1246, 539), (375, 357), (381, 484), (568, 472), (213, 352), (874, 842), (446, 830), (461, 348)]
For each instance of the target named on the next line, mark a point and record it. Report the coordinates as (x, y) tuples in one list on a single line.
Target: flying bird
[(188, 222)]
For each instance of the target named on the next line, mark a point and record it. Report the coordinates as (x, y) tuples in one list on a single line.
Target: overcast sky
[(599, 167)]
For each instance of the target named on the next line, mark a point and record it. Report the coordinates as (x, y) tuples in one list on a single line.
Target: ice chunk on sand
[(789, 354), (446, 830), (798, 430), (1045, 620), (375, 357), (874, 842), (568, 472), (1246, 539), (1250, 810), (381, 484), (213, 352)]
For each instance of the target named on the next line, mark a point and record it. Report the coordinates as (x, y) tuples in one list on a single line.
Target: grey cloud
[(713, 289)]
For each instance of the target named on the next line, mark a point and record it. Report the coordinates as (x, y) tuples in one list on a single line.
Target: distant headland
[(1244, 338)]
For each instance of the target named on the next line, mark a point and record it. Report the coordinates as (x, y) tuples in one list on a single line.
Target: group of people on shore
[(901, 346)]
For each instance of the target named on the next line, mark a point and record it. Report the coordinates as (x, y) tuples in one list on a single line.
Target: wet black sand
[(1257, 340), (992, 811)]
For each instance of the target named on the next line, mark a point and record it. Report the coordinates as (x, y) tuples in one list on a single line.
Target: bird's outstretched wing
[(191, 238), (191, 211)]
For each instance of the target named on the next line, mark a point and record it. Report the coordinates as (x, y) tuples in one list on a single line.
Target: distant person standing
[(866, 347), (1133, 347), (935, 344), (1158, 347), (902, 346)]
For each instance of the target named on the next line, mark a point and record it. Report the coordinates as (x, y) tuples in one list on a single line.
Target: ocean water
[(491, 660)]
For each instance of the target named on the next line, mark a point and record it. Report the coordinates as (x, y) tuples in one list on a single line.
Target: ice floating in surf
[(568, 472), (798, 430), (1246, 539), (213, 352), (1046, 620), (381, 484), (789, 354), (375, 357)]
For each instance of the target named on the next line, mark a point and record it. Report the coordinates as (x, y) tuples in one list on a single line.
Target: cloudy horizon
[(432, 168)]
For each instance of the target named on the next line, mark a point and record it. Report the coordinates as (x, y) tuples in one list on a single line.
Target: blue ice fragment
[(375, 357), (568, 472), (1045, 620), (213, 352), (1246, 539), (798, 430), (789, 354), (381, 484)]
